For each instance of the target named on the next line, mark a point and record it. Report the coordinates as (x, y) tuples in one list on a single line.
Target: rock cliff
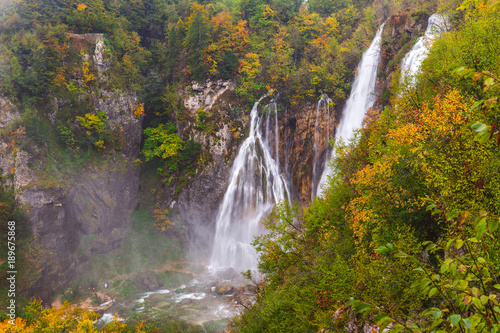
[(95, 201)]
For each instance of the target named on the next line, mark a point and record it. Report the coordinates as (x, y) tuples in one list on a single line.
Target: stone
[(230, 274), (147, 281), (186, 301), (224, 289)]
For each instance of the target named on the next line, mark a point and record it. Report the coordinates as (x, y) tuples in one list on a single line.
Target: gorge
[(249, 166)]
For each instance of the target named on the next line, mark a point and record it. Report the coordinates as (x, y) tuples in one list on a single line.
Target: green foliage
[(328, 7), (462, 290), (66, 136), (97, 129), (197, 40), (161, 141)]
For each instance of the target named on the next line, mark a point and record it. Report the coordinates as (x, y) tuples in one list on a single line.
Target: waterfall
[(361, 99), (255, 185), (412, 61), (320, 140)]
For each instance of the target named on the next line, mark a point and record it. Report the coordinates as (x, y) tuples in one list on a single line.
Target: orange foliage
[(433, 136), (445, 119), (138, 109), (226, 37), (59, 80)]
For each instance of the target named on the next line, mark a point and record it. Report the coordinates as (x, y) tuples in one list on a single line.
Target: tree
[(161, 141), (328, 7), (197, 41), (249, 68)]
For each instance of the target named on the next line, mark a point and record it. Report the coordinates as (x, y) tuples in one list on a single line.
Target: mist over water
[(362, 98), (255, 185)]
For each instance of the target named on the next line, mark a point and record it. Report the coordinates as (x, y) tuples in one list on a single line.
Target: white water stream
[(255, 185), (361, 99), (321, 137), (412, 61)]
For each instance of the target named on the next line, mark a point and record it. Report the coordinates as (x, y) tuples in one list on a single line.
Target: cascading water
[(255, 185), (361, 99), (321, 140), (412, 61)]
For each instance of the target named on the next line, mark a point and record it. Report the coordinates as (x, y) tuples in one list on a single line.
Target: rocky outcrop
[(99, 56), (398, 38), (297, 133), (196, 203), (206, 94)]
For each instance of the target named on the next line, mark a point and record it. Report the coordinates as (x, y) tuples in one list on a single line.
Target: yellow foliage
[(67, 318), (140, 328), (87, 76), (81, 6), (250, 65), (94, 121), (100, 145), (161, 219)]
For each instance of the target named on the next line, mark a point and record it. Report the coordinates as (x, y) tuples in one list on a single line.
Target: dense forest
[(405, 236)]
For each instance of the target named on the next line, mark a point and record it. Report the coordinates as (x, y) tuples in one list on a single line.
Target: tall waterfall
[(413, 60), (361, 99), (321, 138), (255, 185)]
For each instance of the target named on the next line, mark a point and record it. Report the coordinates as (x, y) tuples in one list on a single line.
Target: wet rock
[(147, 281), (224, 289), (186, 301), (230, 274)]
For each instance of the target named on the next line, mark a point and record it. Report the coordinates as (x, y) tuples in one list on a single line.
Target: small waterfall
[(361, 99), (412, 61), (255, 185), (321, 140)]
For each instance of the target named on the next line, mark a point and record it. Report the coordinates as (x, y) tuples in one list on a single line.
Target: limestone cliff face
[(196, 203), (399, 36), (297, 130), (96, 203)]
